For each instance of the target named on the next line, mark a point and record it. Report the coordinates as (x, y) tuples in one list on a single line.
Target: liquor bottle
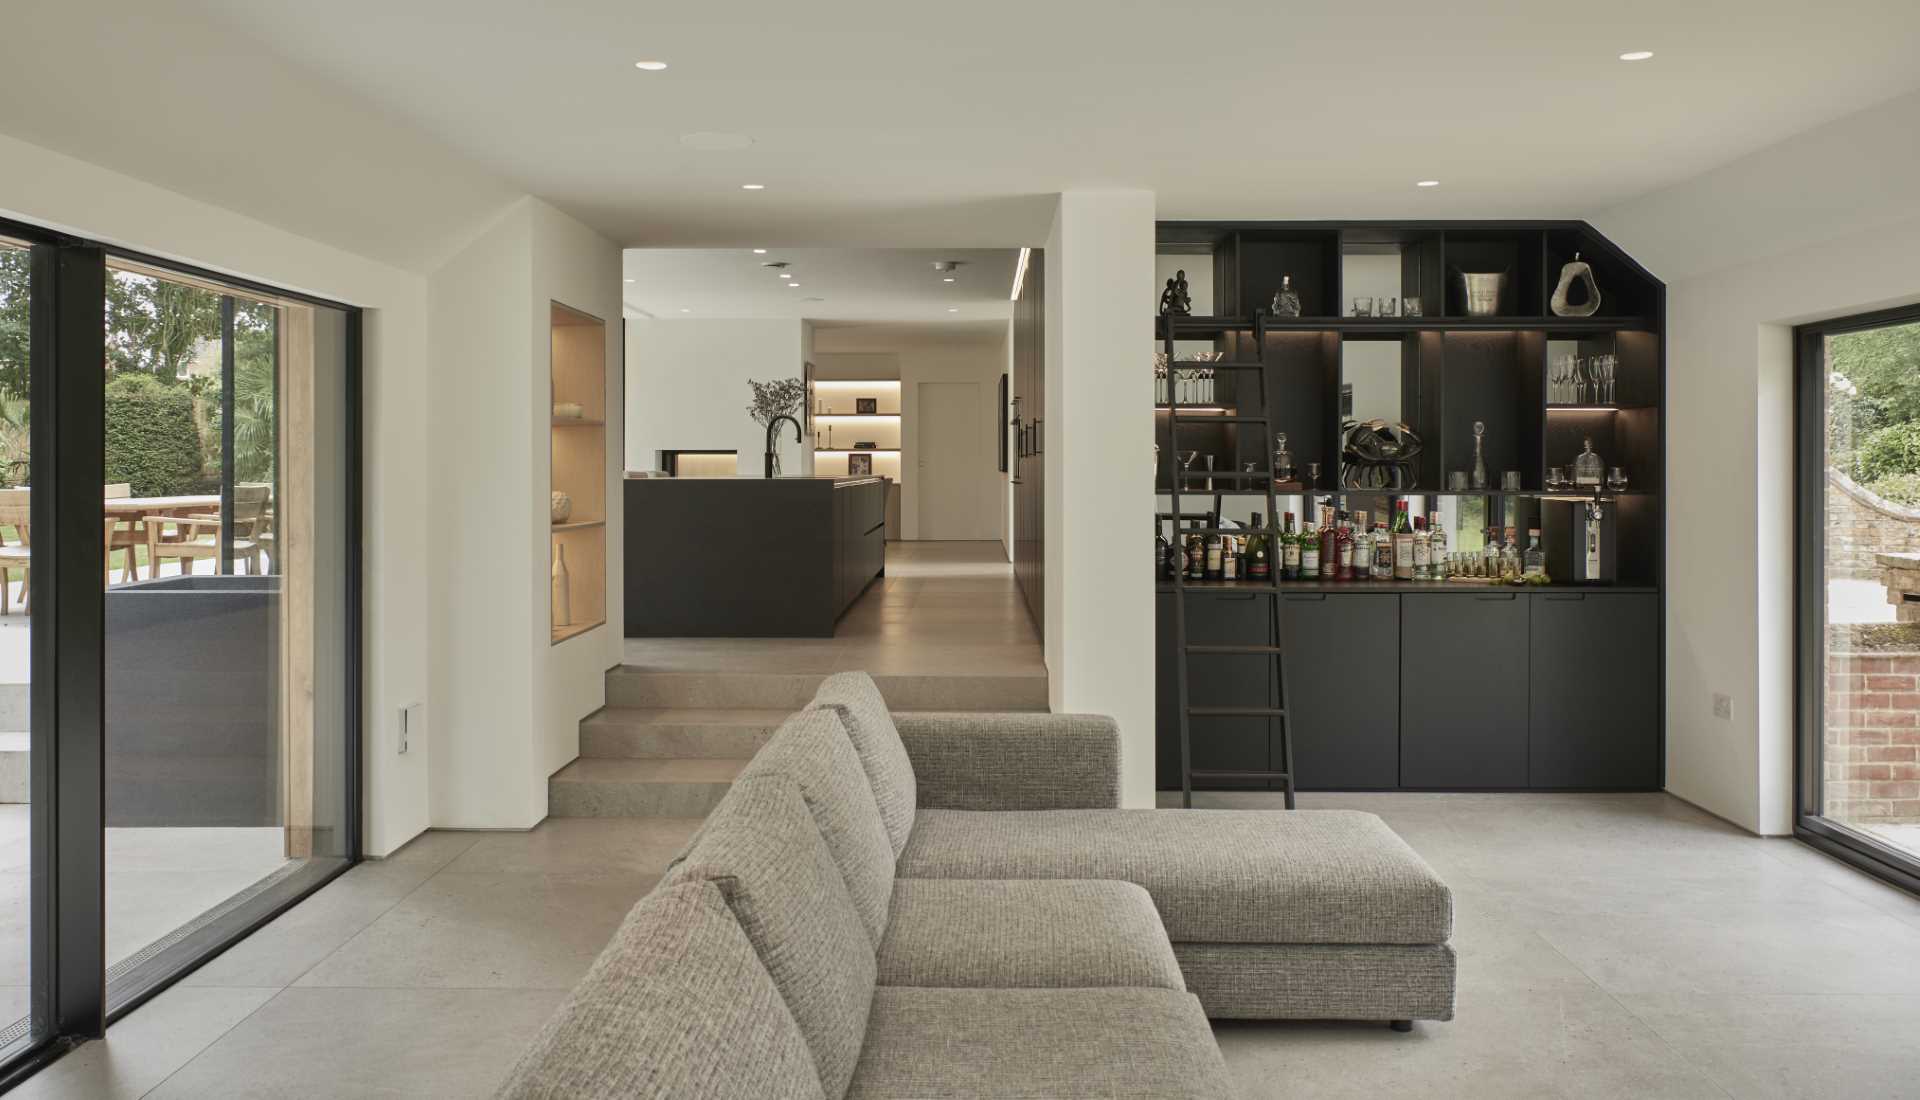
[(1422, 551), (1258, 567), (1402, 543), (1230, 559), (1216, 548), (1289, 552), (1490, 555), (1437, 551), (1309, 550), (1510, 556), (1362, 546), (1196, 554), (1535, 562), (1161, 551), (1329, 545), (1382, 553), (1343, 549)]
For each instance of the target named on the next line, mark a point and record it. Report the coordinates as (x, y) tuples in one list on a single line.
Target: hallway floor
[(943, 608), (1610, 945)]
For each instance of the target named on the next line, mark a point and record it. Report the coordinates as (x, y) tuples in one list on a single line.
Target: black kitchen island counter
[(750, 557)]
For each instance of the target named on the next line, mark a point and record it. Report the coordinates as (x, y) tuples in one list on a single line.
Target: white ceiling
[(852, 285), (389, 126)]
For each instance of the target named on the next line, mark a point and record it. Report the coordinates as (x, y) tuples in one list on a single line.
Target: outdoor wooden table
[(158, 508)]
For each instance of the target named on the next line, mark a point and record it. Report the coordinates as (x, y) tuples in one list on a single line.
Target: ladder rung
[(1218, 773), (1233, 649), (1237, 712)]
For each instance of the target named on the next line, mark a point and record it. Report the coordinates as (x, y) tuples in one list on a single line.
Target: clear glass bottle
[(1534, 564), (1282, 459), (1588, 470), (1382, 553), (1490, 555), (1362, 547), (1437, 549), (1286, 300), (1422, 550), (1510, 556), (1479, 459)]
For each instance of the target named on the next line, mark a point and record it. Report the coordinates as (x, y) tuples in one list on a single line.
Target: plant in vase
[(773, 400)]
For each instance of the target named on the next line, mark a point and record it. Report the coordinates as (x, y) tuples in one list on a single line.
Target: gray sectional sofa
[(954, 906)]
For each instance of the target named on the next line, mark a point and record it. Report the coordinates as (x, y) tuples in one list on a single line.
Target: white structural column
[(1098, 444)]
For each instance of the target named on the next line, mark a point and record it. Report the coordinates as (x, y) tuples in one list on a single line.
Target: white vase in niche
[(562, 507), (562, 588)]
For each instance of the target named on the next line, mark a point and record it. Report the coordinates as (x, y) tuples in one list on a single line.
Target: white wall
[(1100, 611), (52, 189), (686, 388), (509, 701), (1823, 225), (920, 356)]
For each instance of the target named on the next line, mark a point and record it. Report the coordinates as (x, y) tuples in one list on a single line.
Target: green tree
[(152, 443), (156, 325), (16, 321)]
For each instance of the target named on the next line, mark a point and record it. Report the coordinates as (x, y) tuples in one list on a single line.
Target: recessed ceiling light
[(793, 284), (759, 251), (1636, 55), (650, 66), (1427, 183), (753, 187), (686, 311), (784, 275), (953, 309), (948, 279)]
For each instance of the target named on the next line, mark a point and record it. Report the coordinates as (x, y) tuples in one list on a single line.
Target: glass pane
[(1871, 743), (16, 627), (224, 515)]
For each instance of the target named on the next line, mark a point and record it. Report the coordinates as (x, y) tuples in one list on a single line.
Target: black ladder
[(1182, 591)]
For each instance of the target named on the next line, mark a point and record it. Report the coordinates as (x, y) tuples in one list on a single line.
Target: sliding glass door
[(179, 625), (1858, 604)]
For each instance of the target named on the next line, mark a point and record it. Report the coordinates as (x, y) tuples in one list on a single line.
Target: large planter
[(192, 704)]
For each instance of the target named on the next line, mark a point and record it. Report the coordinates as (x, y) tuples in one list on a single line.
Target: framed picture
[(859, 465), (866, 406)]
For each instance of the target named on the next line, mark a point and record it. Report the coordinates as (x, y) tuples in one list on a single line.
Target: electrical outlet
[(1723, 706), (412, 718)]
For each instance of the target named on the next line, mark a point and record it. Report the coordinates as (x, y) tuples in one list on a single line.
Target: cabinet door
[(1343, 686), (1595, 710), (1463, 690), (1217, 680)]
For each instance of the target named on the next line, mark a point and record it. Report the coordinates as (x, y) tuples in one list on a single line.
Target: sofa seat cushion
[(677, 1005), (1217, 876), (1115, 1044), (811, 748), (855, 697), (994, 934), (760, 847)]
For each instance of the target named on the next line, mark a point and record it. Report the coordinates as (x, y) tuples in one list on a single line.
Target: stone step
[(16, 775), (662, 733), (640, 788), (628, 686)]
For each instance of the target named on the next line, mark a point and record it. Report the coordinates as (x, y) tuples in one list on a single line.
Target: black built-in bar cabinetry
[(1438, 685)]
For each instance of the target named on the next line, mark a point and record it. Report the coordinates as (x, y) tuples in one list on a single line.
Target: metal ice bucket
[(1482, 290)]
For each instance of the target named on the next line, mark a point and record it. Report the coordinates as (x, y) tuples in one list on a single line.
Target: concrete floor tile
[(316, 1044), (1523, 1046), (581, 846), (487, 931), (142, 1050), (1834, 1047)]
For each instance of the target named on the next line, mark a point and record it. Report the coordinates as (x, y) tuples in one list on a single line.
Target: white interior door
[(953, 464)]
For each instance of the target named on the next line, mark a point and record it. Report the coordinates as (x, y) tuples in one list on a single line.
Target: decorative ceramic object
[(1286, 300), (562, 588), (1582, 272), (1176, 300), (562, 507), (568, 410)]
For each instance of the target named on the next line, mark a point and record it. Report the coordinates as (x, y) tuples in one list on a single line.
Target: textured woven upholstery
[(677, 1005), (870, 726), (1217, 876), (1320, 981), (1044, 1044), (970, 761), (785, 890), (1060, 934), (812, 748)]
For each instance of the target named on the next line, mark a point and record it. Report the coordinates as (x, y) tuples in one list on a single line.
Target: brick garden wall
[(1873, 737), (1861, 524)]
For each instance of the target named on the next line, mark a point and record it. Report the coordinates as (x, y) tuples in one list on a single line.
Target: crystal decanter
[(1587, 467)]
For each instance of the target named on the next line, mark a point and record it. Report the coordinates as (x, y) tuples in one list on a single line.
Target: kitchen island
[(750, 557)]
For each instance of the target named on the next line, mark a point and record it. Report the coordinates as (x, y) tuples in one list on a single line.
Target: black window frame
[(71, 997), (1809, 605)]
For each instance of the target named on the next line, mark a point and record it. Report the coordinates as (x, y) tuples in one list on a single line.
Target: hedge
[(153, 443)]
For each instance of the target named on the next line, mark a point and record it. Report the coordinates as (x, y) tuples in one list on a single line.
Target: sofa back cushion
[(870, 726), (762, 849), (812, 749), (677, 1005)]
